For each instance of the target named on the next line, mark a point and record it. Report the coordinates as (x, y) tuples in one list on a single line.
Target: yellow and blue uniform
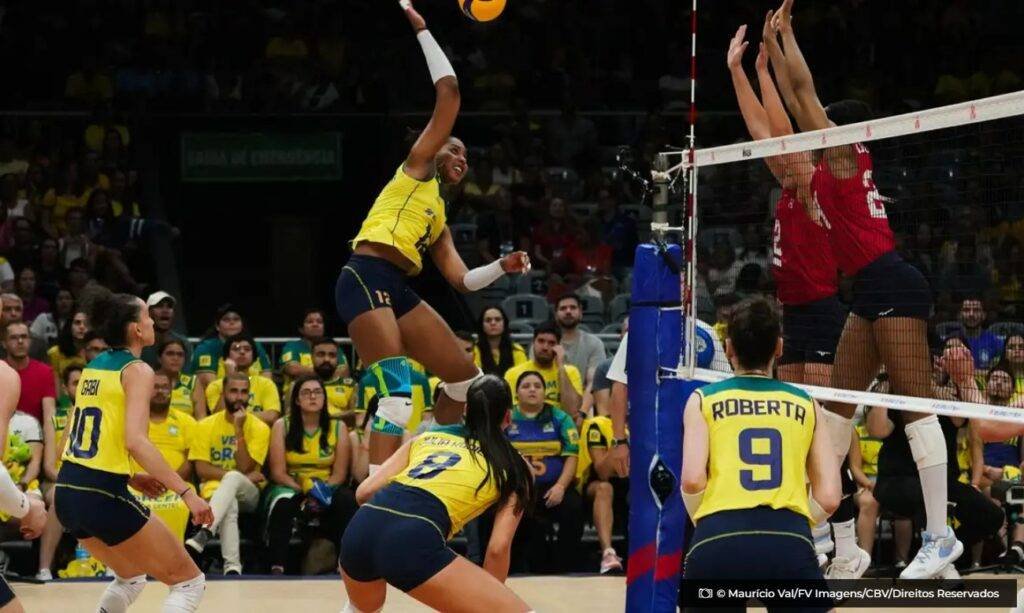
[(314, 462), (92, 496), (340, 393), (545, 440), (373, 383), (869, 448), (209, 357), (408, 215), (172, 437), (759, 436), (181, 395), (60, 421), (445, 485), (552, 382), (596, 434)]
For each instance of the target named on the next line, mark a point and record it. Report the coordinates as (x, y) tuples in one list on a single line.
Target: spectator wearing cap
[(161, 309), (297, 356), (12, 310), (208, 360), (38, 391)]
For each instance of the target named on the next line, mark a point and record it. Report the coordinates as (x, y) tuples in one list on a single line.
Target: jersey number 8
[(82, 417), (772, 458), (434, 464)]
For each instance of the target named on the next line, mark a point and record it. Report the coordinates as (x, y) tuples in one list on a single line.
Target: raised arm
[(811, 115), (420, 163), (770, 39), (753, 113)]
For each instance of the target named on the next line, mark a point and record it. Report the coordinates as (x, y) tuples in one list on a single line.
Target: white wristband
[(482, 276), (13, 501), (437, 61)]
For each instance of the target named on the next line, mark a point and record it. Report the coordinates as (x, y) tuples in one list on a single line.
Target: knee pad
[(458, 391), (927, 443), (121, 593), (394, 388), (184, 597), (840, 431)]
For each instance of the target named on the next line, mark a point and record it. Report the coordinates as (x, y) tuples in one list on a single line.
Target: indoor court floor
[(546, 594)]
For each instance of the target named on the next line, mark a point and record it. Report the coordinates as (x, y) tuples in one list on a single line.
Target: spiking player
[(386, 319), (892, 302)]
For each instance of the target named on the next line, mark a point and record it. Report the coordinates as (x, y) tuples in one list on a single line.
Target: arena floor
[(547, 594)]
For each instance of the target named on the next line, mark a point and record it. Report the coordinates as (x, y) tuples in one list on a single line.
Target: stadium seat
[(619, 307), (949, 328), (496, 292), (564, 182), (464, 237), (520, 326), (583, 210), (526, 307), (1002, 329), (612, 328), (533, 282), (593, 311)]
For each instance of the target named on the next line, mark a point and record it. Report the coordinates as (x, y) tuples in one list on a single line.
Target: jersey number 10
[(83, 417), (771, 458)]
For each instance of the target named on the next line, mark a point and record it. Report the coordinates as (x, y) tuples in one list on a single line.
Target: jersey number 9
[(434, 464), (82, 419), (771, 458)]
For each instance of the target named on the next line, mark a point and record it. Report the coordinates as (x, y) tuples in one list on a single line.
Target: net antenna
[(687, 162)]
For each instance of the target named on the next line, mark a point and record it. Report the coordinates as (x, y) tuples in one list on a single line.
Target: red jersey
[(853, 213), (802, 263)]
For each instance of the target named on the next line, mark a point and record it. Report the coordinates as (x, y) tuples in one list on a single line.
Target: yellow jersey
[(552, 385), (340, 395), (443, 464), (595, 432), (97, 438), (313, 462), (518, 355), (181, 395), (172, 437), (869, 448), (59, 361), (214, 442), (263, 395), (408, 215), (759, 435)]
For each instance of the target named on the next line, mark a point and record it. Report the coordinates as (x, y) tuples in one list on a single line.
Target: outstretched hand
[(516, 262), (782, 21), (415, 19), (737, 46)]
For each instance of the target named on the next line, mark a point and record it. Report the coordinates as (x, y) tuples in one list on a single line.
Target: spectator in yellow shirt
[(171, 432), (185, 395), (229, 449), (297, 355), (341, 390), (264, 399), (495, 352), (562, 382)]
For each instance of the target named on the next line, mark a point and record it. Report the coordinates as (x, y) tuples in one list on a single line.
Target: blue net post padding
[(658, 524)]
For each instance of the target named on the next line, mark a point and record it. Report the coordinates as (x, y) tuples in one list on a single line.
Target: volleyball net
[(948, 183)]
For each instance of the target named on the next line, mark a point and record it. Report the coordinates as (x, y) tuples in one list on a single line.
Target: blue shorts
[(811, 331), (6, 593), (367, 283), (96, 504), (754, 544), (400, 536), (889, 287)]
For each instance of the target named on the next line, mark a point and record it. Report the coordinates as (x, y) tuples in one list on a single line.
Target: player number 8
[(434, 464), (771, 458)]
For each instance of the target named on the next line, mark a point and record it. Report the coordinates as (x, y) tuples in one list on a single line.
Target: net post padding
[(657, 519)]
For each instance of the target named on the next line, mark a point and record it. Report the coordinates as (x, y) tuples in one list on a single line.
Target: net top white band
[(949, 408), (964, 113)]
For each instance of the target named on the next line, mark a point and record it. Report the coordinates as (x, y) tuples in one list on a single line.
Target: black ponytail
[(110, 313), (488, 401)]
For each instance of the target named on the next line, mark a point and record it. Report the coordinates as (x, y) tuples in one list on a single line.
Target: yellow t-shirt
[(97, 438), (214, 442), (759, 435), (441, 463), (552, 388), (408, 215), (172, 437), (181, 395), (263, 394), (869, 449), (59, 361), (313, 462), (519, 355), (594, 432), (339, 395)]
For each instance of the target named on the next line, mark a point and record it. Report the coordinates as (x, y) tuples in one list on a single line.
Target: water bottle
[(81, 553)]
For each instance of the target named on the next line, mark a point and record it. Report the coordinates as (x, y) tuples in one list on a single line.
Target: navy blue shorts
[(811, 331), (96, 504), (6, 593), (400, 536), (367, 283), (759, 544), (889, 287)]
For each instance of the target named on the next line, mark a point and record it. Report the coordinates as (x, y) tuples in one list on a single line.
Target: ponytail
[(488, 401)]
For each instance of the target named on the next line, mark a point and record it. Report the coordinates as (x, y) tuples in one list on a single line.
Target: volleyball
[(482, 10)]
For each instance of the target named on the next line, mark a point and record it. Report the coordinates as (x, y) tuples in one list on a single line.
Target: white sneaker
[(847, 568), (950, 572), (936, 553), (610, 561), (44, 574), (1020, 603)]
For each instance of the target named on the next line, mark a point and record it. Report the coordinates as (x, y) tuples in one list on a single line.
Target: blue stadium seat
[(593, 311), (533, 282), (527, 307)]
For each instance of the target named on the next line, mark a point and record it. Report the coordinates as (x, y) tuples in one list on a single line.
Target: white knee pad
[(458, 391), (840, 431), (395, 409), (350, 608), (927, 443), (184, 597), (121, 593)]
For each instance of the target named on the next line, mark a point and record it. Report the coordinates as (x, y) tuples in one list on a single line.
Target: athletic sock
[(934, 490), (184, 597), (121, 593), (846, 539)]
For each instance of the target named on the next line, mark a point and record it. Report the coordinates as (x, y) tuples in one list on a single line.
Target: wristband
[(620, 441), (482, 276), (188, 488), (437, 61)]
